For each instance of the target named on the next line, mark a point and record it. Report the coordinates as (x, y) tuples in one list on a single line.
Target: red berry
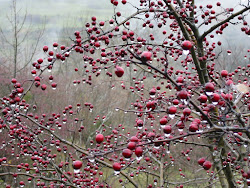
[(45, 48), (186, 45), (77, 33), (175, 101), (5, 111), (99, 138), (209, 87), (131, 145), (152, 91), (229, 82), (119, 71), (53, 85), (146, 56), (40, 61), (101, 23), (167, 129), (224, 73), (207, 165), (201, 161), (193, 127), (163, 121), (127, 153), (138, 151), (37, 78), (203, 98), (183, 94), (216, 97), (117, 166), (13, 80), (62, 47), (172, 110), (55, 44), (186, 112), (21, 183), (77, 164), (51, 53), (134, 139), (139, 123), (33, 72), (43, 86)]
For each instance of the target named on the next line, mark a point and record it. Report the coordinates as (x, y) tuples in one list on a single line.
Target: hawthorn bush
[(182, 121)]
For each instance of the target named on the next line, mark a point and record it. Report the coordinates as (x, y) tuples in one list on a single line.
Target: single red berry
[(53, 85), (224, 73), (186, 45), (21, 183), (183, 94), (51, 53), (175, 102), (131, 145), (63, 47), (207, 165), (152, 91), (209, 87), (77, 164), (146, 56), (134, 139), (193, 127), (40, 61), (45, 48), (163, 121), (119, 71), (127, 153), (139, 123), (167, 129), (201, 161), (33, 72), (138, 151), (43, 86), (99, 138), (186, 111), (215, 97), (4, 111), (172, 110), (13, 81), (202, 98), (55, 44), (117, 166)]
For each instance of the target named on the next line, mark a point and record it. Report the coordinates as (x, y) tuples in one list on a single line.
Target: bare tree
[(19, 40)]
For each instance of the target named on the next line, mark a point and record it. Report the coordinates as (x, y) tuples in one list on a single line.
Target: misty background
[(55, 14), (60, 18)]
